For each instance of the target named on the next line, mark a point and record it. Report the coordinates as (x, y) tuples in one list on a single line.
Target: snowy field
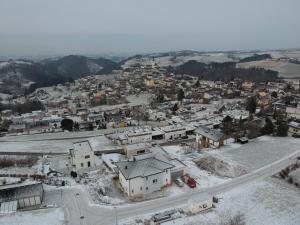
[(203, 178), (260, 151), (165, 61), (267, 202), (285, 69), (37, 217)]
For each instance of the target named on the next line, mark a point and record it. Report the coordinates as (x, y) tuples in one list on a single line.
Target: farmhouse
[(82, 155), (140, 177), (20, 196), (207, 137)]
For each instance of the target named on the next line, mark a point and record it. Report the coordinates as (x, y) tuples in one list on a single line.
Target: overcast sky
[(32, 27)]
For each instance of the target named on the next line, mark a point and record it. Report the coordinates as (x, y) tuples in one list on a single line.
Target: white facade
[(139, 137), (82, 156), (139, 186), (141, 177), (173, 132)]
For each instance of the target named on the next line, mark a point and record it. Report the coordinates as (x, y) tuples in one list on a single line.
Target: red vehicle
[(189, 181)]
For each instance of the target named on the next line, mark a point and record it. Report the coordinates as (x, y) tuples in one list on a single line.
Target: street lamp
[(116, 214)]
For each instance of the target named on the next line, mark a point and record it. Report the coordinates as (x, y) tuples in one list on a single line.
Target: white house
[(82, 155), (140, 177), (173, 131)]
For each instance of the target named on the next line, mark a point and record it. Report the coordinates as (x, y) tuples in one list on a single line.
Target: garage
[(29, 194), (8, 207)]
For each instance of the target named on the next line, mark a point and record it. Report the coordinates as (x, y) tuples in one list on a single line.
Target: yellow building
[(149, 82)]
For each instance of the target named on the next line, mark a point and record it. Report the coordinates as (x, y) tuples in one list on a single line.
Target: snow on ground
[(259, 152), (103, 188), (165, 61), (267, 202), (38, 217), (111, 159), (285, 69), (4, 97), (141, 99), (202, 177), (59, 142)]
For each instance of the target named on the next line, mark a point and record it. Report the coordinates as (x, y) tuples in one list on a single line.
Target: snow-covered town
[(195, 148), (92, 133)]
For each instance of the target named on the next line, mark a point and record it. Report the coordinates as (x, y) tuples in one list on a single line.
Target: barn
[(20, 196)]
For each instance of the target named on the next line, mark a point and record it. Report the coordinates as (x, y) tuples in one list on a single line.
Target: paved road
[(79, 205)]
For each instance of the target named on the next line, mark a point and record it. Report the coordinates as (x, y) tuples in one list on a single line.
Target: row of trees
[(26, 107)]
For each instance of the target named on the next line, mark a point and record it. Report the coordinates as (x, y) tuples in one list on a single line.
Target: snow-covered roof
[(142, 168), (209, 133), (21, 190)]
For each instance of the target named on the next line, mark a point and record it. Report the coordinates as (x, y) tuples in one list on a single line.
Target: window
[(89, 164), (146, 188), (132, 191), (81, 164), (141, 152), (87, 156), (154, 181), (141, 188)]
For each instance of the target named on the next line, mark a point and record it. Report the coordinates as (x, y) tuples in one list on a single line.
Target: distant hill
[(224, 71), (256, 57), (16, 76)]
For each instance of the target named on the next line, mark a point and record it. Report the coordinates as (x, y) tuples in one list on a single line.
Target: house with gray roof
[(141, 177), (207, 137)]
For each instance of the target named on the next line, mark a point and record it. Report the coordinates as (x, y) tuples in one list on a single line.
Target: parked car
[(179, 182), (191, 182)]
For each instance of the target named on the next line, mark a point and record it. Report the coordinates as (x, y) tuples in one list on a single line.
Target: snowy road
[(79, 209)]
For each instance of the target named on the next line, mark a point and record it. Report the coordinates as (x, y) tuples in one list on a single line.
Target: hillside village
[(144, 133)]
